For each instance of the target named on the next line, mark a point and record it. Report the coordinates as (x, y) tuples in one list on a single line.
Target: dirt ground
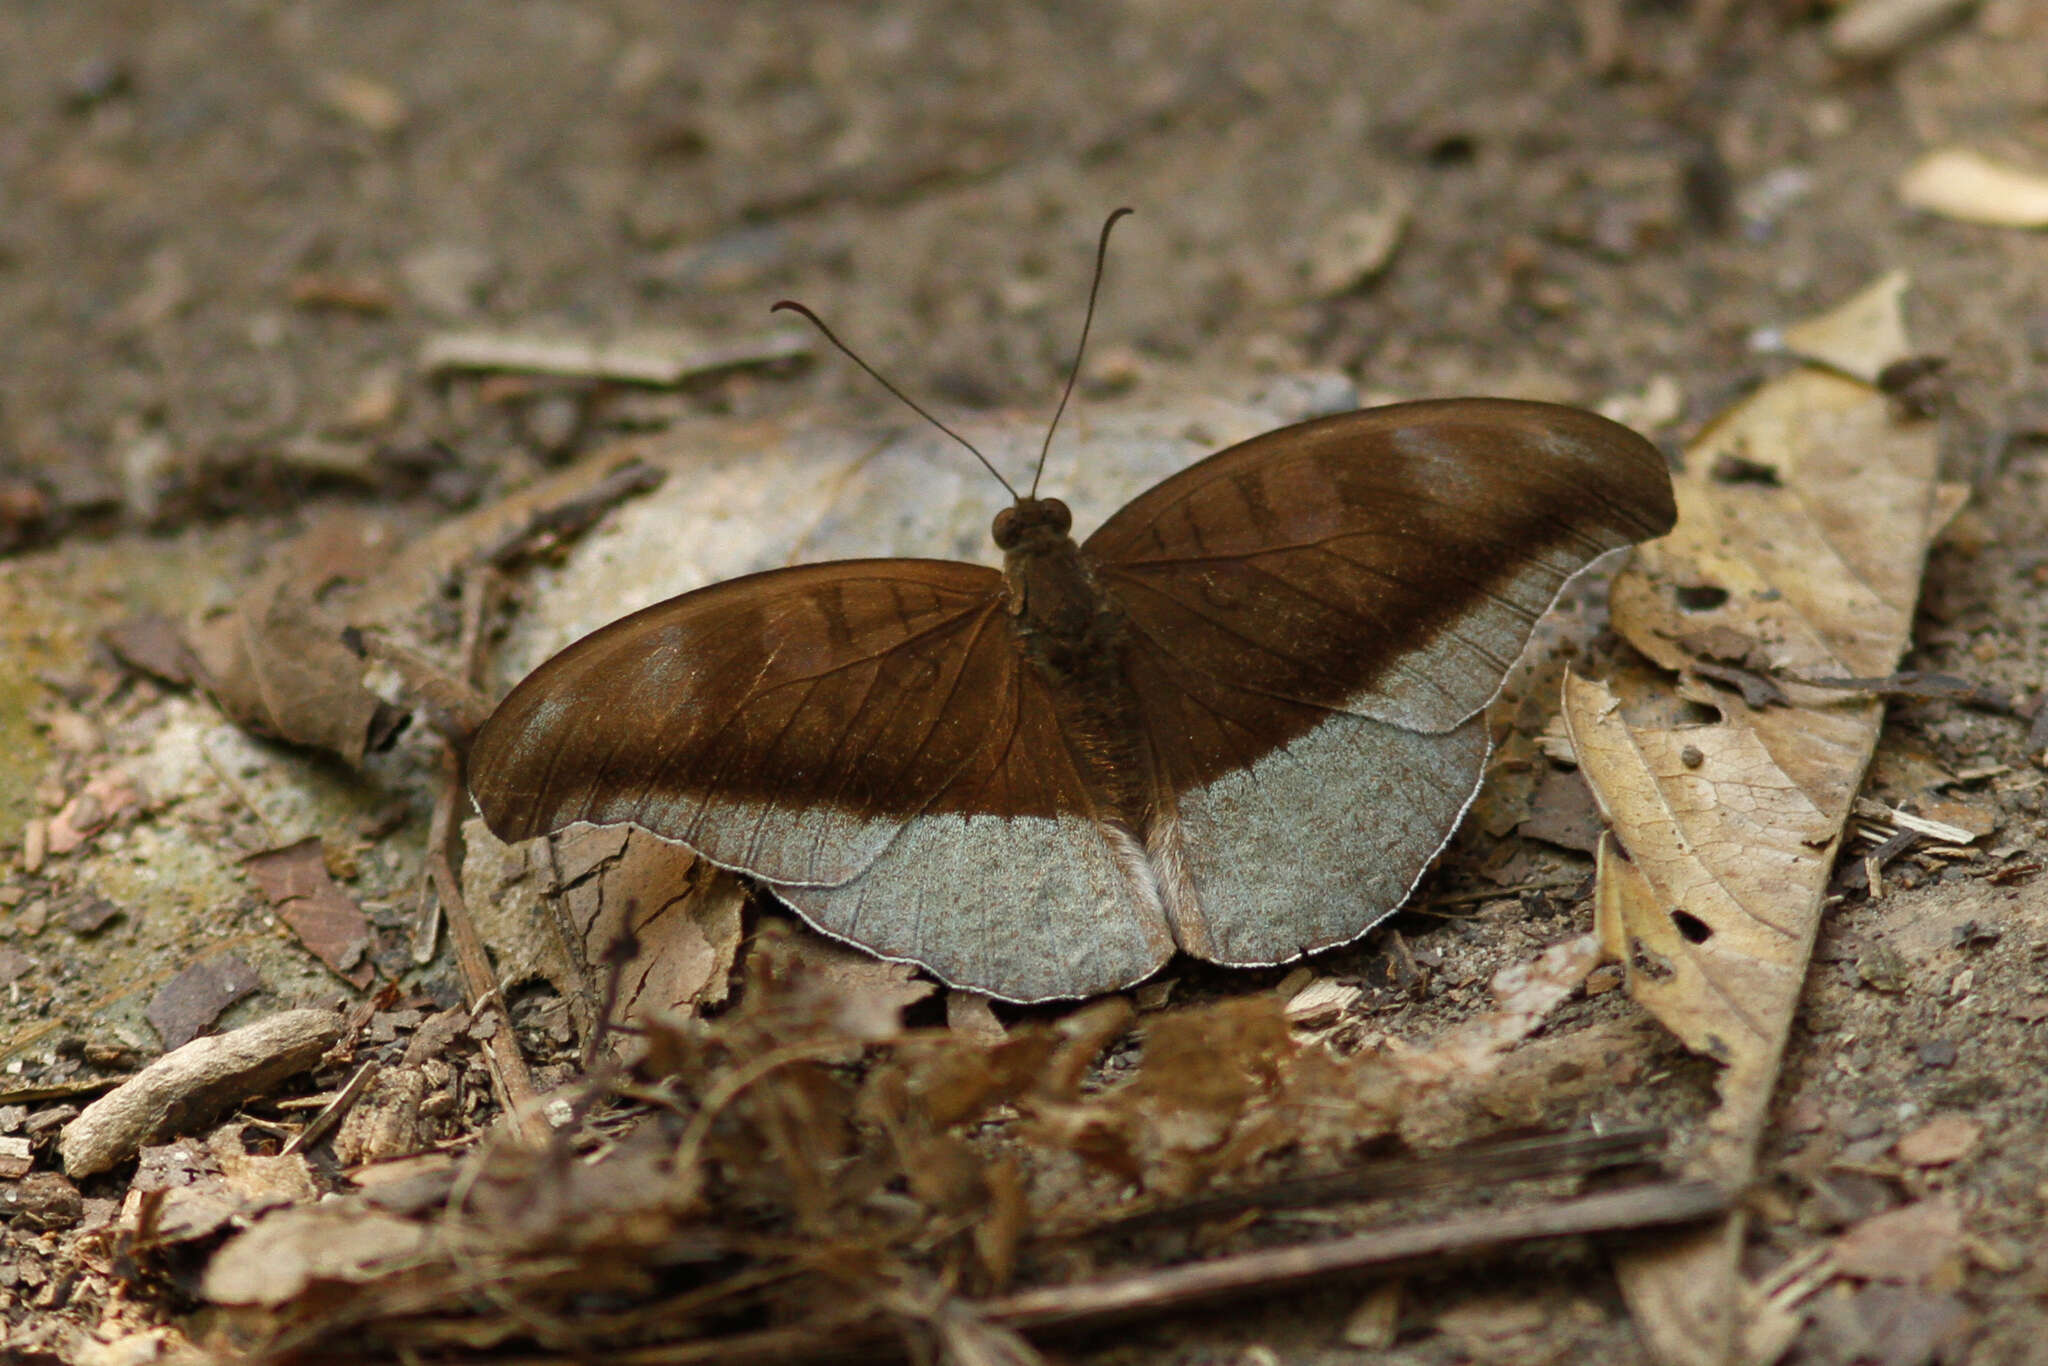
[(228, 231)]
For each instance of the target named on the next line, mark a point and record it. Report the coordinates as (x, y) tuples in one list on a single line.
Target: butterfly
[(1238, 721)]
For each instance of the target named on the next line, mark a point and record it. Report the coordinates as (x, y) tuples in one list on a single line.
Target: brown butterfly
[(1239, 720)]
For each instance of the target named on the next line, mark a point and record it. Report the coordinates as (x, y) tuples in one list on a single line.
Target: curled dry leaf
[(1724, 834), (189, 1085), (276, 664)]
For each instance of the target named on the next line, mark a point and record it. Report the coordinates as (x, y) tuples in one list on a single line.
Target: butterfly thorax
[(1075, 635), (1068, 625)]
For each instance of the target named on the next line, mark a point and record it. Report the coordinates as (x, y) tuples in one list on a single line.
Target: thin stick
[(1494, 1163), (1272, 1270), (513, 1082), (332, 1112), (509, 1074)]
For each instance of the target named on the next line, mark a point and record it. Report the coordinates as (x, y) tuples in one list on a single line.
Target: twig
[(1915, 685), (508, 1066), (1492, 894), (1491, 1163), (61, 1090), (550, 526), (334, 1109), (1270, 1270)]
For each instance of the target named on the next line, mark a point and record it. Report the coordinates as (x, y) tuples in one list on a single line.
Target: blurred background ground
[(226, 231)]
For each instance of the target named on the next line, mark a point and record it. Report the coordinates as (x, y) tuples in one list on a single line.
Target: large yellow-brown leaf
[(1804, 517)]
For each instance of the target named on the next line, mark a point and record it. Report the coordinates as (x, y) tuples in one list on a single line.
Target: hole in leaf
[(1695, 930), (1701, 598)]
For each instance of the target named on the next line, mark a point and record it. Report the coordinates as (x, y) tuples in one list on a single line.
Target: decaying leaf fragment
[(275, 661), (306, 897), (1724, 833), (600, 909)]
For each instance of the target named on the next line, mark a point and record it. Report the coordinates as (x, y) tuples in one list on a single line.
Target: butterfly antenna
[(792, 306), (1094, 288)]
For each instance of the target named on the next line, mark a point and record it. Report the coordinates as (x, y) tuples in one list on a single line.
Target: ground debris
[(818, 1167)]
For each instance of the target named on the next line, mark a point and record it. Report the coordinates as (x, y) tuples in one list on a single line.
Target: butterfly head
[(1031, 519)]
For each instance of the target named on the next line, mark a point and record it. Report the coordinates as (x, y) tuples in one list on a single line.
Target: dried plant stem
[(509, 1073), (512, 1080)]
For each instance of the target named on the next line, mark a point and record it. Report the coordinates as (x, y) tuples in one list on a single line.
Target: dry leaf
[(103, 799), (194, 999), (1524, 993), (278, 1259), (1355, 246), (972, 1017), (1911, 1245), (667, 921), (1724, 833), (1859, 338), (863, 996), (150, 644), (1940, 1141), (305, 896)]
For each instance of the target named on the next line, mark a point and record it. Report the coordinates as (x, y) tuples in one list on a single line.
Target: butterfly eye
[(1005, 532)]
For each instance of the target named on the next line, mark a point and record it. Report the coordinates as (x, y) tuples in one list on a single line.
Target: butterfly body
[(1239, 720)]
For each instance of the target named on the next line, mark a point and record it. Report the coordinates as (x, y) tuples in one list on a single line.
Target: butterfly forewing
[(785, 722), (1389, 562)]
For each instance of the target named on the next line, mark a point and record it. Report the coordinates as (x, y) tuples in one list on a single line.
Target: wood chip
[(189, 1085), (1969, 187), (659, 360)]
